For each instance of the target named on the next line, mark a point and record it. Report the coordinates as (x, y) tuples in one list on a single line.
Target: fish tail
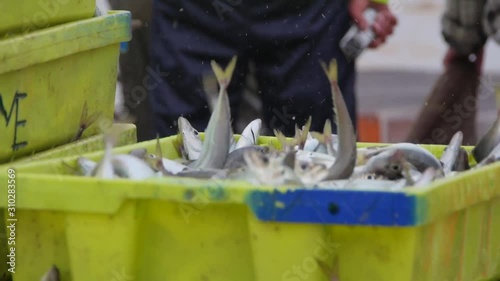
[(305, 130), (224, 75), (281, 138), (331, 70), (319, 136)]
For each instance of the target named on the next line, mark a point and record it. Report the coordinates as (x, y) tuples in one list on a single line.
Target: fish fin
[(158, 152), (305, 130), (327, 129), (319, 136), (224, 75), (331, 70)]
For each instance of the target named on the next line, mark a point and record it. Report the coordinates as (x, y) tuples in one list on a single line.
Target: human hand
[(384, 23), (452, 55)]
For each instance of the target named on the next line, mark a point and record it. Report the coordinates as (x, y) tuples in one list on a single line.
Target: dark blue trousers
[(284, 38)]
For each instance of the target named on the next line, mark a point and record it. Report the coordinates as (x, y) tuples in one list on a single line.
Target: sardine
[(130, 167), (427, 177), (488, 142), (310, 173), (139, 153), (218, 136), (462, 163), (104, 169), (236, 159), (388, 163), (451, 153), (162, 164), (250, 134), (491, 157), (86, 166), (346, 156), (419, 157), (51, 275), (269, 169), (191, 141)]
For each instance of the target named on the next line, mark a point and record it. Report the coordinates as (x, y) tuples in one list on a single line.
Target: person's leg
[(289, 45), (185, 37)]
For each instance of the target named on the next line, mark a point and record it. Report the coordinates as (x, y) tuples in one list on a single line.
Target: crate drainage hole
[(333, 208)]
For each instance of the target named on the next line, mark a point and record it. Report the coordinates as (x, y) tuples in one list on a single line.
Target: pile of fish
[(309, 159)]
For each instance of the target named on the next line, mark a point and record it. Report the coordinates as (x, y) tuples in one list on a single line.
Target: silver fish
[(419, 157), (491, 157), (310, 173), (315, 157), (104, 169), (462, 163), (250, 134), (346, 156), (236, 159), (270, 169), (427, 177), (139, 153), (451, 153), (388, 163), (128, 166), (488, 142), (86, 166), (191, 141), (216, 144)]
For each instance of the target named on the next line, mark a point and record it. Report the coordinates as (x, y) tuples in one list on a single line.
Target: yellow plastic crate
[(47, 76), (127, 136), (188, 229), (30, 15)]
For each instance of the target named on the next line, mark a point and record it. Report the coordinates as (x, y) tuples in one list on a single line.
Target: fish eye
[(303, 166), (395, 167), (265, 160), (195, 132), (370, 177)]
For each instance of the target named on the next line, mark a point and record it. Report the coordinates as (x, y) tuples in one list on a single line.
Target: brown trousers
[(450, 107)]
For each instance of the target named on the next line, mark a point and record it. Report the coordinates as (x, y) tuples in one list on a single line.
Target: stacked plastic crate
[(58, 69)]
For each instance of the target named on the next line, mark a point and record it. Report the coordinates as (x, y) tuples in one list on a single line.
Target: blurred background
[(393, 81)]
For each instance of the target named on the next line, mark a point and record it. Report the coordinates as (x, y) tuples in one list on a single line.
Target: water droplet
[(323, 16), (181, 9)]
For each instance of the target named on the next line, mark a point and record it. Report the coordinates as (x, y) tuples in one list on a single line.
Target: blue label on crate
[(335, 207)]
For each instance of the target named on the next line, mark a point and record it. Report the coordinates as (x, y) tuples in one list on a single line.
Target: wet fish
[(419, 157), (191, 141), (139, 153), (451, 153), (309, 173), (162, 164), (236, 159), (250, 134), (86, 166), (462, 163), (130, 167), (388, 164), (492, 157), (315, 157), (427, 177), (216, 144), (488, 142), (104, 169), (269, 169), (52, 274), (346, 156)]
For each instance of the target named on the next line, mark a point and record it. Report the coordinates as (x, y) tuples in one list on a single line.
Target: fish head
[(310, 173), (191, 141)]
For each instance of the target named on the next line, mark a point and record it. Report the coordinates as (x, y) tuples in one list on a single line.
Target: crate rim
[(408, 208)]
